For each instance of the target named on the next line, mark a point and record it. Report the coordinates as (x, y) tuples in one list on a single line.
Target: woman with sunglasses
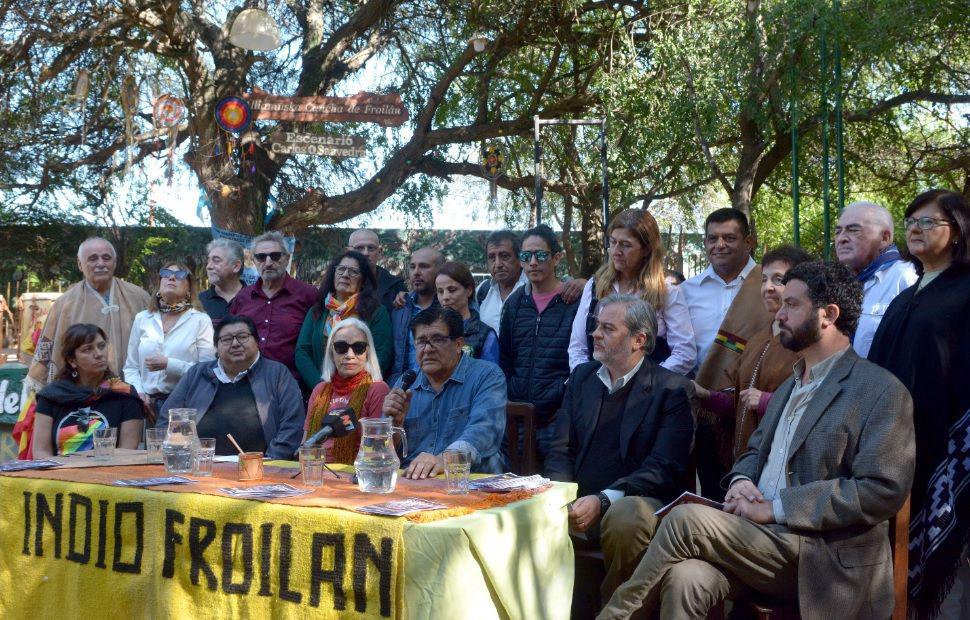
[(349, 289), (534, 334), (924, 339), (169, 338), (352, 378), (456, 288), (635, 265)]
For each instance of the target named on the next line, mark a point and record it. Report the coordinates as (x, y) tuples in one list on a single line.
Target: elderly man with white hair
[(623, 434), (864, 244), (100, 299)]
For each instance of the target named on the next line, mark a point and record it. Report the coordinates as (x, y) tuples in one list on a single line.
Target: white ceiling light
[(256, 30)]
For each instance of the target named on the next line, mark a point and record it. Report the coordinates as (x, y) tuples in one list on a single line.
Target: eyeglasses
[(925, 223), (353, 272), (541, 255), (226, 341), (434, 341), (852, 230), (180, 274), (340, 347), (262, 256)]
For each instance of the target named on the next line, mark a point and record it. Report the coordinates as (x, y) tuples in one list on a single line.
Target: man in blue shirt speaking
[(457, 402)]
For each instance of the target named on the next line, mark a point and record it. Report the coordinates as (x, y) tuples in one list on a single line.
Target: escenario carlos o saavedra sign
[(294, 143)]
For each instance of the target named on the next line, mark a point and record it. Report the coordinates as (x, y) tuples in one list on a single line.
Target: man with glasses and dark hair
[(366, 242), (277, 303), (243, 393), (456, 403), (864, 244)]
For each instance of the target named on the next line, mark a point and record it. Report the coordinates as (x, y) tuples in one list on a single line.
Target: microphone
[(336, 424), (408, 379)]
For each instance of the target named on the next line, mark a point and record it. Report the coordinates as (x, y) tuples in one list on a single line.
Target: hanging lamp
[(255, 30)]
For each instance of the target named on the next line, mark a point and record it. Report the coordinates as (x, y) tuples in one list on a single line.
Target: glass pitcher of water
[(181, 441), (377, 463)]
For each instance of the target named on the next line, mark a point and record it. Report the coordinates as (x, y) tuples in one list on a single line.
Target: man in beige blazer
[(806, 513)]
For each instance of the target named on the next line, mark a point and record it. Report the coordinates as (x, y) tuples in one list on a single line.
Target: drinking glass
[(202, 459), (458, 468), (154, 438), (311, 465), (105, 439)]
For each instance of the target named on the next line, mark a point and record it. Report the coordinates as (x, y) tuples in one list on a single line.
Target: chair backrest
[(899, 543), (520, 419)]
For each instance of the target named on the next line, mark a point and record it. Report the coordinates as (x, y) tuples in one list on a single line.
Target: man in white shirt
[(726, 309), (864, 244), (728, 244), (502, 254)]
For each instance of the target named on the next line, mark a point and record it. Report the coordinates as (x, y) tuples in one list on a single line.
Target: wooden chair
[(520, 418), (763, 608)]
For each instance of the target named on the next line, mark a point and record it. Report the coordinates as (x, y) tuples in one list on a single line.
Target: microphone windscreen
[(408, 379)]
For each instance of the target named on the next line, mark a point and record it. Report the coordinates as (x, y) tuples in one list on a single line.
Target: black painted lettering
[(44, 513), (137, 509), (285, 560), (245, 532), (335, 576), (79, 501), (26, 549), (265, 548), (172, 538), (102, 532), (363, 551), (197, 547)]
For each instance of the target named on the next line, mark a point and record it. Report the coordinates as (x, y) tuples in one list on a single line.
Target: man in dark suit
[(623, 434), (806, 515)]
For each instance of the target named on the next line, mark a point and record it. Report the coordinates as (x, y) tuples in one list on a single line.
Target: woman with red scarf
[(351, 378), (349, 289)]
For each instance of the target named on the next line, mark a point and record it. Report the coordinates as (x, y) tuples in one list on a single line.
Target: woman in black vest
[(635, 265), (456, 287), (924, 339), (534, 334)]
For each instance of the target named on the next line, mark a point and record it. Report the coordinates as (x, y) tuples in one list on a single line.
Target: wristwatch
[(604, 503)]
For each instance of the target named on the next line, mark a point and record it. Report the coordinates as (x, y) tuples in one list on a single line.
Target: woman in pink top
[(351, 377)]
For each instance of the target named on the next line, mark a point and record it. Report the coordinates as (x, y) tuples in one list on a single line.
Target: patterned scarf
[(343, 449), (166, 308), (886, 258), (939, 532), (338, 311)]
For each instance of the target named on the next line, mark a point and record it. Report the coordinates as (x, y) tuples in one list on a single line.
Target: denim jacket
[(468, 413)]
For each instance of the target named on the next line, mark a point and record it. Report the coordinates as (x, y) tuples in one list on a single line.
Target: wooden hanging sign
[(385, 110), (293, 143)]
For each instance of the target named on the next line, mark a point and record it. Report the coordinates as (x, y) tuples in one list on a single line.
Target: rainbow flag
[(71, 439), (730, 342)]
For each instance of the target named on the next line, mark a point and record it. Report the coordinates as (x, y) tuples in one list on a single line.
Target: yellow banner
[(86, 550)]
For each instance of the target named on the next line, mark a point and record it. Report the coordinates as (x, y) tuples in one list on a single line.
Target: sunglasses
[(180, 274), (262, 256), (541, 256), (340, 347)]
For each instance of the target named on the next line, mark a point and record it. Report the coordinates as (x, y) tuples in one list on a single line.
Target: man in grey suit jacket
[(806, 514)]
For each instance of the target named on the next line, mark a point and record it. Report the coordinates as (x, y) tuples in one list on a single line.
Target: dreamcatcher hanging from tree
[(167, 114)]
